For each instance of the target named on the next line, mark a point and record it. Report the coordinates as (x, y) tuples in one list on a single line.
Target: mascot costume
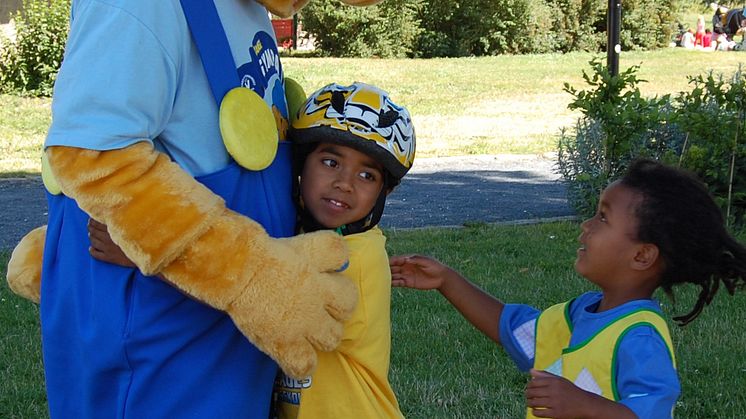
[(169, 120)]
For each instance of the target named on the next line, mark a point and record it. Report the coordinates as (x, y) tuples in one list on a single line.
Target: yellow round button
[(47, 177), (295, 97), (248, 127)]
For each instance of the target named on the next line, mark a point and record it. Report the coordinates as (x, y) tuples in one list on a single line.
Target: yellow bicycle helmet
[(360, 116)]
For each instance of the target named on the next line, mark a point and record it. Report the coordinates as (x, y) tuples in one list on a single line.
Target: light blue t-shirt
[(646, 378), (104, 102)]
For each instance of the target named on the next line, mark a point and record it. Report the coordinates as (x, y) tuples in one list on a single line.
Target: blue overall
[(120, 344)]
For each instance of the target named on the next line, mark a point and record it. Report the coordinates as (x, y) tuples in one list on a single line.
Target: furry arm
[(24, 267), (282, 294)]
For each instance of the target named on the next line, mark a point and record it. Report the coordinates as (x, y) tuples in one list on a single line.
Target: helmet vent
[(388, 118), (338, 102)]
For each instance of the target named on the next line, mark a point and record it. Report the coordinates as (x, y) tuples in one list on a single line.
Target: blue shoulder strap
[(209, 36)]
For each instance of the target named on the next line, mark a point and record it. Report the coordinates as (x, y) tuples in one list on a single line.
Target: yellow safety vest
[(591, 361)]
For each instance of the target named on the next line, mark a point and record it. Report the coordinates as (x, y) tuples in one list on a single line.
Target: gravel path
[(448, 191)]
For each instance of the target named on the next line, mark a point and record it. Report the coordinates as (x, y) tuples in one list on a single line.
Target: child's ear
[(646, 256)]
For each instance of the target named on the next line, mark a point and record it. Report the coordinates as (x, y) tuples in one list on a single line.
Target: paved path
[(448, 191)]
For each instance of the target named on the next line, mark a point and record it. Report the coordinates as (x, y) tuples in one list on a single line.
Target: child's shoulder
[(367, 246), (372, 237)]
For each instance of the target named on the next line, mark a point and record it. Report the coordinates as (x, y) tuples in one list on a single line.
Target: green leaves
[(703, 130), (29, 64)]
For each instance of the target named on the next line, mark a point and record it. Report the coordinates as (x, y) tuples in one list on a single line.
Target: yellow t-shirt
[(352, 382)]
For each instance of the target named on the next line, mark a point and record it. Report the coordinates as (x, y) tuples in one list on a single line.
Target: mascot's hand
[(24, 267), (282, 294)]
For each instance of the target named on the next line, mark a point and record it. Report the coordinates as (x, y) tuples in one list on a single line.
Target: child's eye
[(602, 216), (329, 162), (368, 176)]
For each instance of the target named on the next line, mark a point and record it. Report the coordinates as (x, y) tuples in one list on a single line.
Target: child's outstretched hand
[(552, 396), (103, 248), (416, 271)]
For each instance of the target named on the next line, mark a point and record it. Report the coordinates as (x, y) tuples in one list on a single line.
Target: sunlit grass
[(488, 105)]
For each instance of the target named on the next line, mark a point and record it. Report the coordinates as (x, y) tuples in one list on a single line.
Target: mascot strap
[(209, 36)]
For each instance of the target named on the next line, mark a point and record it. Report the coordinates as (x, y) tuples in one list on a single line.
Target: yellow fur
[(168, 223), (24, 267), (153, 209)]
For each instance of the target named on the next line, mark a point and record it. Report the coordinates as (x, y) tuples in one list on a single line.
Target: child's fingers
[(399, 260), (94, 225), (96, 242), (99, 255)]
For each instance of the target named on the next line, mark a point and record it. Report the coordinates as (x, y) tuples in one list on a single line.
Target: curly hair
[(679, 216)]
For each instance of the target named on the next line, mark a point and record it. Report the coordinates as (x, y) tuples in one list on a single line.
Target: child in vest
[(608, 354), (352, 145)]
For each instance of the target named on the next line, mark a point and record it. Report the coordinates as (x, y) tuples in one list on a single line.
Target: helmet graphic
[(360, 116)]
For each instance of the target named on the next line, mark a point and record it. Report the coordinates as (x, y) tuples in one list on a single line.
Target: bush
[(386, 30), (703, 130), (456, 28), (617, 125), (713, 114), (483, 27), (648, 24), (29, 65), (579, 25)]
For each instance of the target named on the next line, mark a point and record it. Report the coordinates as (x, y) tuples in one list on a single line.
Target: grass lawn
[(441, 366), (489, 105)]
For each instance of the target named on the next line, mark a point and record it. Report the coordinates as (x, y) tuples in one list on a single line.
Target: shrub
[(648, 24), (713, 114), (617, 125), (703, 130), (388, 29), (581, 24), (483, 27), (29, 65)]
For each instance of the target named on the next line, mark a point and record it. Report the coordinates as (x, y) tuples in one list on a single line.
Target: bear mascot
[(168, 125)]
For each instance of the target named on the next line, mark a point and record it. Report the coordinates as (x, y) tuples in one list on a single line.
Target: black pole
[(613, 26)]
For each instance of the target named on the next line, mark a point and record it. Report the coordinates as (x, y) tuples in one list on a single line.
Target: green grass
[(460, 106), (441, 366), (22, 392)]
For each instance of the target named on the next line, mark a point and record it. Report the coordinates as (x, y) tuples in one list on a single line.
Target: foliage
[(388, 29), (581, 24), (29, 64), (458, 28), (483, 27), (648, 24), (713, 114), (702, 130), (618, 124)]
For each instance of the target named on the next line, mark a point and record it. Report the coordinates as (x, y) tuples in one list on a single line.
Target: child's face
[(609, 239), (339, 185)]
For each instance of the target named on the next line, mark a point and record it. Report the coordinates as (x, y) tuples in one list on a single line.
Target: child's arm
[(551, 396), (478, 307), (103, 248)]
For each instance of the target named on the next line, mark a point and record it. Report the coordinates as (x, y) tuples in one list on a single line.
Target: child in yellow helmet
[(608, 354), (352, 147)]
